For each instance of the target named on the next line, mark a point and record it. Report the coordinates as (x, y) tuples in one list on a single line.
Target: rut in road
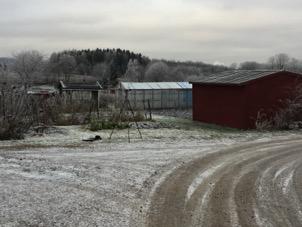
[(250, 185)]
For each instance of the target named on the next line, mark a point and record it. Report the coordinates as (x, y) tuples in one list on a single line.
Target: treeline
[(106, 64), (163, 70), (112, 65), (276, 62)]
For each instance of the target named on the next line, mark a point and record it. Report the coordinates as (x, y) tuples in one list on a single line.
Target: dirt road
[(258, 184)]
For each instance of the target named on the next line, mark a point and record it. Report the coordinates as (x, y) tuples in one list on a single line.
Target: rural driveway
[(255, 184)]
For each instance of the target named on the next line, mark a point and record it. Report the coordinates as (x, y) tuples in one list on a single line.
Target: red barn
[(234, 98)]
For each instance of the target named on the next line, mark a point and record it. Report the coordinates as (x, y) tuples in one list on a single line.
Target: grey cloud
[(227, 31)]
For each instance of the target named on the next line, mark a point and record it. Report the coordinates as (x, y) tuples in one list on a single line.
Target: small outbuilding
[(80, 93), (157, 95), (236, 98)]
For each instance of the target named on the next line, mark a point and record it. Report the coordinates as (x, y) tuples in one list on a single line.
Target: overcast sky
[(223, 31)]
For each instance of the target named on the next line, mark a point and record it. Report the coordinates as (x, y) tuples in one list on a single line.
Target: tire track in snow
[(234, 187)]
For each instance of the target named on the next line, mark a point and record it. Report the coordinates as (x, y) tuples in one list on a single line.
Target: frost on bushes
[(16, 115), (262, 122), (20, 111), (114, 118), (286, 117), (102, 124)]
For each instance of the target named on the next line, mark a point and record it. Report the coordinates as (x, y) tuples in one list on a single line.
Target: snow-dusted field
[(58, 180)]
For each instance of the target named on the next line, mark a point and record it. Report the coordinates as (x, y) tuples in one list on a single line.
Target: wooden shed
[(235, 98), (80, 93)]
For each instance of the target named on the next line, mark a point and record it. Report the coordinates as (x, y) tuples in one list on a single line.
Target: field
[(186, 174)]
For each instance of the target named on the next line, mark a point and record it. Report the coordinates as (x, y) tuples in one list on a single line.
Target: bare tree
[(67, 65), (271, 62), (15, 112), (157, 72), (62, 65), (135, 71), (27, 64), (3, 73), (102, 72), (295, 65), (279, 61)]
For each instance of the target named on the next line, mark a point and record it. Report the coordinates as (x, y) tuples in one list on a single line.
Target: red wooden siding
[(237, 106), (222, 105), (268, 94)]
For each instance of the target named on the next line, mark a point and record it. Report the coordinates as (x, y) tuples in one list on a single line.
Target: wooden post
[(149, 107)]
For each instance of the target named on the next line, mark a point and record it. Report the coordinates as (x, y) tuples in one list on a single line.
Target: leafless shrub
[(28, 65), (285, 117), (16, 116), (20, 111), (54, 110), (105, 100), (115, 118), (262, 122)]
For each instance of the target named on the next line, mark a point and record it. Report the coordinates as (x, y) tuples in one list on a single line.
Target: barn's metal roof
[(155, 85), (235, 77)]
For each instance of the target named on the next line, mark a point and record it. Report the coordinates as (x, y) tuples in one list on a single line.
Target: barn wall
[(222, 105), (268, 94), (238, 106)]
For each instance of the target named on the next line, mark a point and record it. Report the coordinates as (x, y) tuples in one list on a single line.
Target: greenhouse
[(157, 95)]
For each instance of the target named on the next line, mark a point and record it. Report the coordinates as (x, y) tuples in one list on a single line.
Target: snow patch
[(199, 179), (260, 221), (287, 182)]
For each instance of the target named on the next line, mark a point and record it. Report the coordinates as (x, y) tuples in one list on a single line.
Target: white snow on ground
[(287, 181), (260, 220), (58, 180)]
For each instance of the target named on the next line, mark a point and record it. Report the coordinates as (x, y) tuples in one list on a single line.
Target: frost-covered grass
[(58, 180), (176, 129)]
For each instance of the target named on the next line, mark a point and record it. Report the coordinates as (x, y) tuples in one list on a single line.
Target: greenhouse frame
[(157, 95)]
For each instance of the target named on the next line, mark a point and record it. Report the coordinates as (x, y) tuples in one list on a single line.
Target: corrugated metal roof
[(185, 85), (155, 85), (235, 77)]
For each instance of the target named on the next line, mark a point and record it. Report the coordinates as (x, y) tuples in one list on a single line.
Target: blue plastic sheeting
[(155, 85)]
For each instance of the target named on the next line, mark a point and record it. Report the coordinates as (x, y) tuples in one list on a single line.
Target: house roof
[(80, 86), (235, 77), (154, 85)]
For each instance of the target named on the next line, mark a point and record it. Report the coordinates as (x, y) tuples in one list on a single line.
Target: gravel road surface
[(255, 184)]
